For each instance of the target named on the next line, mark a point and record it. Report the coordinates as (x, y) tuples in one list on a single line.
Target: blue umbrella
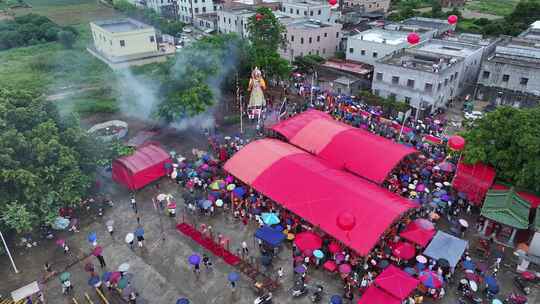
[(469, 264), (92, 237), (139, 231), (239, 191), (445, 197), (205, 204), (492, 284), (335, 299), (411, 271), (270, 218), (318, 254), (194, 259), (106, 276), (278, 228), (93, 280), (182, 301), (233, 277)]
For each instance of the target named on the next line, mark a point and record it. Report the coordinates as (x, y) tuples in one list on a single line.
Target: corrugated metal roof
[(506, 207)]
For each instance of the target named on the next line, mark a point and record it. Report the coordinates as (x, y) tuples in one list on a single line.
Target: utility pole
[(239, 100), (8, 253)]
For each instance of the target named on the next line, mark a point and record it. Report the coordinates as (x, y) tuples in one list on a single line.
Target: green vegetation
[(31, 29), (495, 7), (389, 105), (4, 4), (149, 16), (308, 63), (47, 161), (509, 140)]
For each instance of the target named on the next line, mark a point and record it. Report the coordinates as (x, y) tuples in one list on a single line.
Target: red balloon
[(413, 38), (456, 143), (258, 17), (346, 221), (332, 2), (452, 19)]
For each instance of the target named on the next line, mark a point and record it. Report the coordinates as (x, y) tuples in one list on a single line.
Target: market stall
[(446, 246)]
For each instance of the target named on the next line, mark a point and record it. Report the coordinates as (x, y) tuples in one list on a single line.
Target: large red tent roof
[(474, 180), (318, 191), (375, 295), (358, 151), (396, 282)]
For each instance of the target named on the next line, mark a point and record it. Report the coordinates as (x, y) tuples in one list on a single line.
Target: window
[(305, 13), (302, 40), (291, 10), (375, 54), (319, 12), (407, 100), (524, 81), (204, 9), (379, 76), (311, 13), (506, 78), (410, 83), (363, 52), (485, 75), (428, 87), (351, 50), (325, 35), (196, 10), (324, 51), (337, 34), (439, 86), (310, 40), (451, 77), (456, 75), (298, 12), (445, 81), (122, 43), (292, 38), (318, 38), (152, 39), (395, 79), (376, 92)]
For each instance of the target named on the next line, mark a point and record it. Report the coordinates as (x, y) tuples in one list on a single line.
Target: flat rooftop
[(304, 23), (427, 22), (517, 51), (431, 56), (121, 25), (382, 36)]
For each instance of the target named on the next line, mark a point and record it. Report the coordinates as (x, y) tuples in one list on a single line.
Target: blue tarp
[(446, 246), (271, 236)]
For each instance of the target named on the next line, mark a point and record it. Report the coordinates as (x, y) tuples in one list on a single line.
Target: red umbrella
[(431, 279), (330, 266), (404, 251), (334, 247), (97, 251), (308, 252), (307, 240), (345, 268), (456, 143)]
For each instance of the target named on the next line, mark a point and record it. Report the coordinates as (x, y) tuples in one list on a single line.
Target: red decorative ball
[(258, 17), (332, 2), (456, 143), (452, 19), (413, 38), (346, 221)]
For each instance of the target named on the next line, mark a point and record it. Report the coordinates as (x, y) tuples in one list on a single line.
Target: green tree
[(46, 161), (436, 8), (66, 38), (308, 63), (509, 140)]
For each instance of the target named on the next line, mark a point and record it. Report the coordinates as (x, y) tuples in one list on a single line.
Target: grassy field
[(495, 7), (69, 12)]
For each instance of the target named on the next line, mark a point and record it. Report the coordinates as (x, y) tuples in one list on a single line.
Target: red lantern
[(452, 19), (346, 221), (456, 143), (258, 17), (332, 2), (413, 38)]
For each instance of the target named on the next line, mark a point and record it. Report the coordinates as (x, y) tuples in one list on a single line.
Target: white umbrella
[(463, 223), (161, 197), (439, 185), (473, 285), (447, 184), (129, 237), (109, 223), (421, 259), (412, 186), (219, 203), (123, 267)]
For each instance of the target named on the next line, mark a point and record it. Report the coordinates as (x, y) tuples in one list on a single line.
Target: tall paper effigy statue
[(256, 86)]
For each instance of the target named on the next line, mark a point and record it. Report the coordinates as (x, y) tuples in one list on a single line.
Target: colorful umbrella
[(469, 264), (233, 276), (92, 237), (447, 167), (335, 299), (97, 251), (300, 269), (115, 277), (330, 266), (231, 187), (205, 204), (334, 247), (492, 284), (318, 254), (194, 259), (411, 271), (64, 276), (345, 268), (431, 279), (270, 218), (421, 259), (94, 280), (106, 276), (60, 242), (239, 192), (404, 251), (182, 301), (219, 203), (214, 185), (307, 240), (123, 267), (129, 237), (123, 283)]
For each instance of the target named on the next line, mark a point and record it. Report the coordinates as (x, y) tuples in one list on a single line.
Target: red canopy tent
[(376, 295), (358, 151), (419, 232), (396, 282), (144, 166), (529, 197), (474, 180), (318, 191)]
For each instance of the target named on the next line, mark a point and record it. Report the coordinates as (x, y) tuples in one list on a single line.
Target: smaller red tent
[(396, 282), (474, 180), (376, 295), (144, 166), (420, 232)]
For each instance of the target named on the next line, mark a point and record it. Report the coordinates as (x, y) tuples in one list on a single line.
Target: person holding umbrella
[(233, 277), (129, 239), (97, 252), (110, 226), (66, 283), (139, 232)]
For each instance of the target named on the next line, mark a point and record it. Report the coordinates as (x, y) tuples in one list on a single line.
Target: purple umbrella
[(445, 197), (194, 259), (420, 187), (300, 269)]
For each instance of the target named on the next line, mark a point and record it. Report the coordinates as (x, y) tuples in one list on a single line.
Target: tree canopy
[(509, 140), (46, 161)]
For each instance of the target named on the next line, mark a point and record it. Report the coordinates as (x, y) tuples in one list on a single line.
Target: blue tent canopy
[(269, 235), (446, 246)]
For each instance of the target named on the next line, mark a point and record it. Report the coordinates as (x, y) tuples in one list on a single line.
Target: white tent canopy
[(25, 291)]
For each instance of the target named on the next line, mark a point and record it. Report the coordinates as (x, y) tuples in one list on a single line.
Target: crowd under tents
[(474, 180), (348, 148), (446, 246), (319, 192), (147, 164)]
